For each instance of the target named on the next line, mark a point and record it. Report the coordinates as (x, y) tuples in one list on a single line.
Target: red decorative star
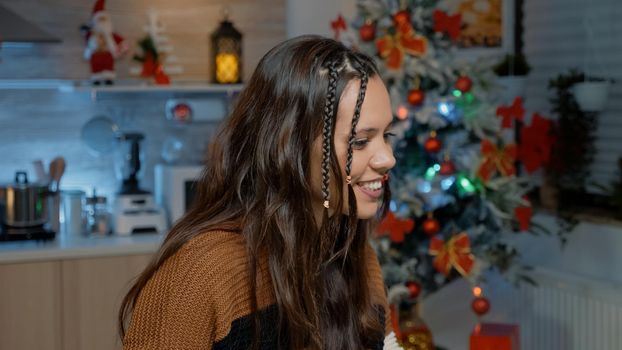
[(536, 141), (338, 25), (514, 111), (395, 228), (444, 23)]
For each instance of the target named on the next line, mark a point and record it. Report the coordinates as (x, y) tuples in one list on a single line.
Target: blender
[(135, 210)]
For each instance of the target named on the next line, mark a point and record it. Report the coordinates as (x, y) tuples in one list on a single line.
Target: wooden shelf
[(122, 87)]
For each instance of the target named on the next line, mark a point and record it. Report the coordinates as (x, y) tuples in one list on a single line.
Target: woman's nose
[(383, 160)]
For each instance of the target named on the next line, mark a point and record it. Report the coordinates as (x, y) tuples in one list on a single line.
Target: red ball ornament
[(432, 144), (480, 305), (367, 32), (401, 17), (464, 83), (416, 97), (414, 288), (431, 226), (447, 168)]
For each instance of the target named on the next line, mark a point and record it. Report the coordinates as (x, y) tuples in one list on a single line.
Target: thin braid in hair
[(355, 120), (329, 113)]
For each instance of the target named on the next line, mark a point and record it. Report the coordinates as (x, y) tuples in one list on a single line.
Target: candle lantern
[(226, 54)]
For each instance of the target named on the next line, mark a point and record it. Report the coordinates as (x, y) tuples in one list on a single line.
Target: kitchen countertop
[(74, 247)]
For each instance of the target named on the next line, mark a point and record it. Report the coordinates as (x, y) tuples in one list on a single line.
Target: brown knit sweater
[(200, 298)]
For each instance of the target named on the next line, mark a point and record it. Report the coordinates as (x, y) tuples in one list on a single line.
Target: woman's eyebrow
[(372, 130)]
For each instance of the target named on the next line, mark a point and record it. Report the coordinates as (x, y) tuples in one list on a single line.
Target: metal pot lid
[(22, 182)]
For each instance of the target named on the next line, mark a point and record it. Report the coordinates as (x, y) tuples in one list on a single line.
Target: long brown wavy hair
[(257, 182)]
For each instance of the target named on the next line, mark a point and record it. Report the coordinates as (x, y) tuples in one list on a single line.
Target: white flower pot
[(591, 95), (511, 87)]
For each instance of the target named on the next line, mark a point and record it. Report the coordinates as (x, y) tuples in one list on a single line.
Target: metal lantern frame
[(226, 54)]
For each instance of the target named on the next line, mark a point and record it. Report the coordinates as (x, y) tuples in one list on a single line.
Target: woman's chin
[(367, 210)]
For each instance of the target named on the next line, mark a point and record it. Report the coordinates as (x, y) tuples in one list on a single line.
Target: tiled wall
[(42, 124)]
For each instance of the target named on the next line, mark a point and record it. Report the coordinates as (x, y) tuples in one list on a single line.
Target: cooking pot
[(23, 204)]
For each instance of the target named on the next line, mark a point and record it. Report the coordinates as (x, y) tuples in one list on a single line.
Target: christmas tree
[(460, 185)]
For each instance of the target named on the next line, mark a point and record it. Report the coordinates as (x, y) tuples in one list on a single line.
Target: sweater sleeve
[(378, 290), (175, 310)]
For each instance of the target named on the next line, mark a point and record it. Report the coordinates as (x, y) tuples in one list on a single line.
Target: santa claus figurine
[(103, 46)]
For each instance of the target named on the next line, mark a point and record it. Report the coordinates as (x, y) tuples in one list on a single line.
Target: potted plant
[(512, 71), (591, 94)]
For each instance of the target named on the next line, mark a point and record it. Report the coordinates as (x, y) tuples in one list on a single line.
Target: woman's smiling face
[(372, 156)]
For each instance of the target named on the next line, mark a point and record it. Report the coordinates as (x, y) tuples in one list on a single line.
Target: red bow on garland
[(338, 25), (393, 46), (444, 23), (454, 253), (536, 142), (514, 111), (396, 228), (497, 159)]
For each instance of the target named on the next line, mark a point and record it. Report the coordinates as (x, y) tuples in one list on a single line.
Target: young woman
[(274, 253)]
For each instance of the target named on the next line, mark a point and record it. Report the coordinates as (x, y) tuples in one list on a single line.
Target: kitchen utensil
[(99, 135), (57, 169), (74, 219), (22, 203), (42, 176)]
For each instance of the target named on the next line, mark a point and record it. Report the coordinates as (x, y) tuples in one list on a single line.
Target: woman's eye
[(360, 143), (388, 135)]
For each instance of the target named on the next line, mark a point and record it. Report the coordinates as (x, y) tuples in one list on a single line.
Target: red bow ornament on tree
[(443, 23), (536, 142), (396, 228), (495, 159), (508, 113), (454, 253), (393, 46)]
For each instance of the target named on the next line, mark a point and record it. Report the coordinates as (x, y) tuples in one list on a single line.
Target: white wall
[(314, 16)]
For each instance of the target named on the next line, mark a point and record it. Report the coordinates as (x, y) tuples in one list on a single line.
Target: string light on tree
[(402, 113)]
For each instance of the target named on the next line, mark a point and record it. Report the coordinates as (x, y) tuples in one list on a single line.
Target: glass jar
[(98, 216)]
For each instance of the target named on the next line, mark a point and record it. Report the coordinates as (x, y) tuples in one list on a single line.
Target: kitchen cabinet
[(30, 308), (65, 304), (92, 292)]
